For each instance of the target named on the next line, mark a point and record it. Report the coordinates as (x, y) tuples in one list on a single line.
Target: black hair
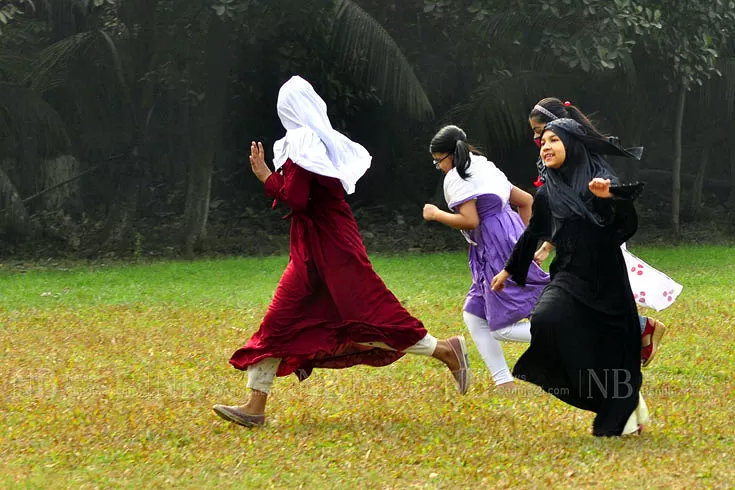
[(560, 110), (452, 139)]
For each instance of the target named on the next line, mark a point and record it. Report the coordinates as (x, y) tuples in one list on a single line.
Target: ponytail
[(452, 139), (462, 159), (581, 118)]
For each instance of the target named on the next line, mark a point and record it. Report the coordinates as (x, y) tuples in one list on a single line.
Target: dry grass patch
[(114, 389)]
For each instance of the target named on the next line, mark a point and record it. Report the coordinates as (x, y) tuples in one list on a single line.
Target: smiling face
[(553, 152)]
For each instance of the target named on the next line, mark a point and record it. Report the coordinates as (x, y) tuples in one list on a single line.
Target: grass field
[(109, 373)]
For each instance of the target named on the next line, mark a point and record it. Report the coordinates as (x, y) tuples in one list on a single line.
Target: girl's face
[(553, 152), (537, 127), (443, 161)]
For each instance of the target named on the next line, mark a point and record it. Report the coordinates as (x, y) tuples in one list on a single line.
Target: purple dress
[(491, 244), (500, 227)]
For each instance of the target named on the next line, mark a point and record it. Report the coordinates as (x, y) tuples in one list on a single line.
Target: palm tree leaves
[(25, 114), (496, 112), (61, 73), (366, 50), (55, 63)]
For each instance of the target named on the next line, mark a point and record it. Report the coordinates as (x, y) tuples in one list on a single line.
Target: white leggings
[(488, 343), (262, 373)]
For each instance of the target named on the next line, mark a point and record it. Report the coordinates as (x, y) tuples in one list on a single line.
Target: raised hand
[(257, 161), (600, 187)]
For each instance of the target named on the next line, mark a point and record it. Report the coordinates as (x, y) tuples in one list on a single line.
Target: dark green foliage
[(127, 88)]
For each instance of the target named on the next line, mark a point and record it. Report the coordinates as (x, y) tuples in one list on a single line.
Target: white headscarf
[(310, 140), (484, 178)]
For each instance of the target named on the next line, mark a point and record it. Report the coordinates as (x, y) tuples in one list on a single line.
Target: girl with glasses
[(480, 197)]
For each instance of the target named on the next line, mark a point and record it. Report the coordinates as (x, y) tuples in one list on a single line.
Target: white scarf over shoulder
[(484, 178), (310, 140)]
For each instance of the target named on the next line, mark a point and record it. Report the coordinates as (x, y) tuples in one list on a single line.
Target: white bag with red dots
[(651, 288)]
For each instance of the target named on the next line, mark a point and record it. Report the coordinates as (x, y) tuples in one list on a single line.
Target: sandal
[(462, 374), (656, 330), (237, 416)]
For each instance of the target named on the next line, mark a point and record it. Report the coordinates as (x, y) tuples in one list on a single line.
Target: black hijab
[(568, 186), (609, 146)]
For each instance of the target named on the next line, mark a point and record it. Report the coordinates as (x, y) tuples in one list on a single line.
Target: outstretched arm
[(516, 267)]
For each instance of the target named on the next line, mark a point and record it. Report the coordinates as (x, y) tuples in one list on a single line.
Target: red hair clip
[(567, 103)]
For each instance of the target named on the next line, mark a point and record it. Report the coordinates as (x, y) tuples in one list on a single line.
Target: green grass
[(109, 372)]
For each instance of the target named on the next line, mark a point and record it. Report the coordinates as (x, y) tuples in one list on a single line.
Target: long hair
[(452, 139), (561, 111)]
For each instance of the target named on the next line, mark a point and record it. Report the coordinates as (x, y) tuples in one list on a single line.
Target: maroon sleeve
[(292, 187)]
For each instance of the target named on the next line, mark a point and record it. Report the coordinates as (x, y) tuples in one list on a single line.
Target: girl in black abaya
[(585, 336)]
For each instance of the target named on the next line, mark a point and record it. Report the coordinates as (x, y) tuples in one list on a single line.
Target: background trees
[(127, 122)]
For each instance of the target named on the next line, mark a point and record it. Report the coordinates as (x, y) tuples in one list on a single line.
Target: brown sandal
[(462, 374), (235, 415)]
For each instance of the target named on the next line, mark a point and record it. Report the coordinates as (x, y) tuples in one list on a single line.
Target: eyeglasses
[(438, 162)]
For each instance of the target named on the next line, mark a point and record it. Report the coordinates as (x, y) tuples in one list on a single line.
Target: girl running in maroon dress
[(330, 309)]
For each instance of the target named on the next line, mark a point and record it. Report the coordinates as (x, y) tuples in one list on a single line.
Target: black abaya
[(585, 336)]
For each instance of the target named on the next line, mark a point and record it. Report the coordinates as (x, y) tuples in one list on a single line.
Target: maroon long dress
[(329, 297)]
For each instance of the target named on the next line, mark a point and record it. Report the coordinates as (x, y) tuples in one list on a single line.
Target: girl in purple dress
[(480, 196)]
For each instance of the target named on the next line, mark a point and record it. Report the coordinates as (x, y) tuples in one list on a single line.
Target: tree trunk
[(207, 137), (696, 202), (732, 182), (198, 192), (55, 171), (119, 229), (676, 167), (14, 219), (117, 233)]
